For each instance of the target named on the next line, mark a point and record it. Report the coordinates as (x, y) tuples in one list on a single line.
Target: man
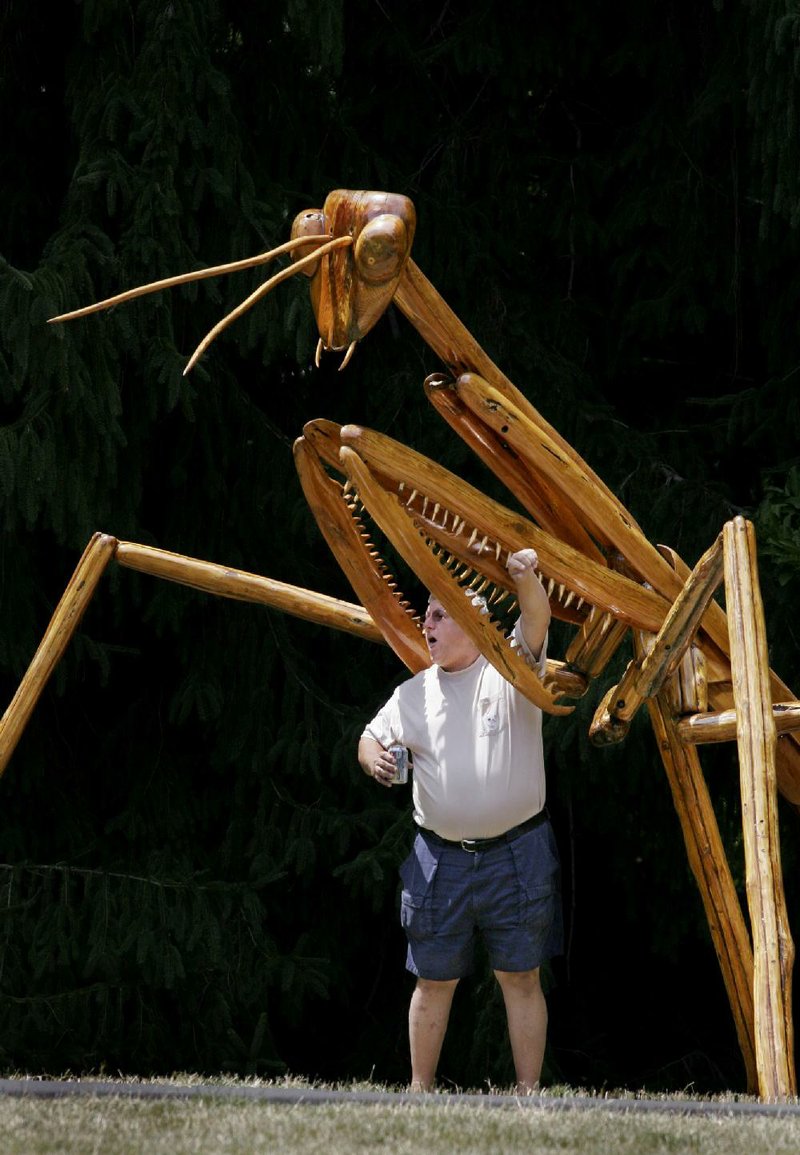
[(484, 857)]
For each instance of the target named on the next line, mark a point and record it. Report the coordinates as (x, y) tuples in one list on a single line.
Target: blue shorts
[(509, 894)]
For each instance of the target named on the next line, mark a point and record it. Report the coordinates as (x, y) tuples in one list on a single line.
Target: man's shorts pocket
[(538, 869), (418, 874)]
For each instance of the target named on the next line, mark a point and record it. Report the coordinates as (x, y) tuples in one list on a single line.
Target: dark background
[(195, 875)]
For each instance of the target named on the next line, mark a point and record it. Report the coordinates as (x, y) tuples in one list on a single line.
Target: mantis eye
[(381, 249), (310, 223)]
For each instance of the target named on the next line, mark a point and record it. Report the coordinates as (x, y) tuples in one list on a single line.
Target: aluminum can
[(401, 764)]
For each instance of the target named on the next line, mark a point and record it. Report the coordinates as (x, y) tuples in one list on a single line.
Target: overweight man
[(484, 861)]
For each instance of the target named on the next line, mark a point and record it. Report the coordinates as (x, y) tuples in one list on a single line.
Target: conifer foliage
[(193, 872)]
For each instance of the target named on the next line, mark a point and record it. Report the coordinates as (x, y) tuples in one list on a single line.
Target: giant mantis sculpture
[(703, 677)]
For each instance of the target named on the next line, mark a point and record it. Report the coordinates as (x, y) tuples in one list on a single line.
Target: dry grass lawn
[(84, 1124)]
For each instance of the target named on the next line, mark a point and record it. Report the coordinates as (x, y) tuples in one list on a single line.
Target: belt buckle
[(470, 845)]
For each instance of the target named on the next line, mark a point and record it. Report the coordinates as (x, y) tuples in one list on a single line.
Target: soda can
[(401, 764)]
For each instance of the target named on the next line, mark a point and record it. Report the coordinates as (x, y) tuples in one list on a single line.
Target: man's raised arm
[(534, 605)]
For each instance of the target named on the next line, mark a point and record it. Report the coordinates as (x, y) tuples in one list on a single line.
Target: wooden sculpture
[(704, 678)]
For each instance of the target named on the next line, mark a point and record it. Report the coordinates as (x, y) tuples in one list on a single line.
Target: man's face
[(448, 645)]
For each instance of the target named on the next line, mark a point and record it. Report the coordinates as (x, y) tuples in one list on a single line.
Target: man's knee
[(522, 982), (436, 988)]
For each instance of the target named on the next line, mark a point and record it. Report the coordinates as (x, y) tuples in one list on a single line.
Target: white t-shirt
[(477, 748)]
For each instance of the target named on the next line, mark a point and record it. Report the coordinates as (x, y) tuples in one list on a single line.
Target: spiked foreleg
[(598, 585), (408, 539), (542, 502), (351, 548), (63, 624), (336, 515), (773, 947)]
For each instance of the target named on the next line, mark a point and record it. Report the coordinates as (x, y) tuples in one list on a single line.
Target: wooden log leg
[(712, 873), (773, 948), (215, 579), (63, 624), (226, 582), (720, 696)]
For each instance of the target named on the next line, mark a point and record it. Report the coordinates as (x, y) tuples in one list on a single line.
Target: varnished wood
[(489, 640), (595, 643), (534, 494), (690, 684), (720, 725), (356, 251), (720, 691), (709, 865), (62, 626), (226, 582), (400, 627), (645, 676), (599, 585), (773, 948)]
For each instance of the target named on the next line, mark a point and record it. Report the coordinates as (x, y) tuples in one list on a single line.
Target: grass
[(89, 1124)]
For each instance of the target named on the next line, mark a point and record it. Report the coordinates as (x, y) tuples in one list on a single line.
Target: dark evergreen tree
[(194, 873)]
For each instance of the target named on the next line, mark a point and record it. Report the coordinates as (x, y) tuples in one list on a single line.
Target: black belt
[(473, 845)]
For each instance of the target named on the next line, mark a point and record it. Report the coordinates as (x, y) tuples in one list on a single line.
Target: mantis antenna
[(323, 243)]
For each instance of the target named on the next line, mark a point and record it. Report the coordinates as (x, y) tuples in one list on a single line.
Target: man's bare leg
[(427, 1023), (526, 1011)]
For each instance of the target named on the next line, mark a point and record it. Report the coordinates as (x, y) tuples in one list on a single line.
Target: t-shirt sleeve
[(538, 664), (385, 726)]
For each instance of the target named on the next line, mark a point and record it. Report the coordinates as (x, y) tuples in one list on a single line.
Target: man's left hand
[(523, 564)]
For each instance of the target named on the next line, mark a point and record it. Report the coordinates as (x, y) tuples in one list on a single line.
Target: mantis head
[(351, 287), (354, 250)]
